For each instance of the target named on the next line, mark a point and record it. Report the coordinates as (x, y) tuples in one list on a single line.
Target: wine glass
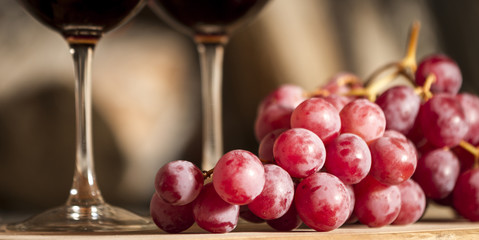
[(82, 23), (210, 24)]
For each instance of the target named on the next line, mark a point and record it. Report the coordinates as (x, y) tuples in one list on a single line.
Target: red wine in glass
[(82, 23), (210, 23), (81, 18)]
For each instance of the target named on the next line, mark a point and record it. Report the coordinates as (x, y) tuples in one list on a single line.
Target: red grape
[(377, 204), (393, 159), (318, 116), (401, 106), (394, 134), (322, 201), (179, 182), (169, 218), (300, 152), (338, 101), (212, 213), (265, 150), (352, 200), (447, 201), (287, 95), (348, 158), (447, 73), (289, 221), (277, 194), (466, 159), (342, 83), (238, 177), (437, 172), (249, 216), (466, 195), (442, 120), (470, 103), (415, 134), (413, 203), (363, 118), (272, 118)]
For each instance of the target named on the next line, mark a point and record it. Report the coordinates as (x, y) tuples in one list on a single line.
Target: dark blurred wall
[(458, 33)]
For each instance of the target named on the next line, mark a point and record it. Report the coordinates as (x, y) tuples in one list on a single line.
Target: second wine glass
[(210, 24), (82, 23)]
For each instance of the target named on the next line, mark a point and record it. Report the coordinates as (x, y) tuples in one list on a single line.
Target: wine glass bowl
[(82, 18), (204, 18), (82, 23), (210, 23)]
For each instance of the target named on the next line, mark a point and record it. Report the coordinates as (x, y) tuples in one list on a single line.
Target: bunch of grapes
[(343, 153)]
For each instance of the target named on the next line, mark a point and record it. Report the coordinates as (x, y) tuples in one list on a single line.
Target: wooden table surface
[(438, 229), (438, 223)]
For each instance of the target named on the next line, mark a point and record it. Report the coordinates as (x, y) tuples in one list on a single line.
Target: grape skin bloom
[(239, 177)]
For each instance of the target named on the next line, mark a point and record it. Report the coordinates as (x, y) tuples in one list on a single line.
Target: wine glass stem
[(211, 61), (84, 190)]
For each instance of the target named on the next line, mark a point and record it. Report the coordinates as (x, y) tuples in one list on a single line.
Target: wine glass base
[(95, 218)]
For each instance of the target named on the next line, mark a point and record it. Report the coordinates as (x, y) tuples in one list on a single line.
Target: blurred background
[(146, 86)]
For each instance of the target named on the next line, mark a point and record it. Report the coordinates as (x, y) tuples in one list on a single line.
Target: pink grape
[(338, 101), (437, 172), (377, 204), (300, 152), (352, 200), (442, 120), (342, 83), (170, 218), (212, 213), (415, 134), (447, 73), (424, 147), (272, 118), (287, 95), (348, 158), (447, 201), (249, 216), (394, 134), (277, 195), (400, 106), (394, 159), (288, 222), (466, 195), (318, 116), (179, 182), (363, 118), (470, 103), (265, 150), (413, 203), (466, 159), (322, 202), (238, 177)]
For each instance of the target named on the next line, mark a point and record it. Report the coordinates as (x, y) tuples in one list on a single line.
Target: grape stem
[(409, 60), (316, 93), (375, 84), (265, 161), (471, 149), (406, 67), (207, 174), (425, 90), (342, 81)]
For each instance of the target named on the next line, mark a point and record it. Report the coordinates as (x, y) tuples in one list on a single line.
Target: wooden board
[(444, 230)]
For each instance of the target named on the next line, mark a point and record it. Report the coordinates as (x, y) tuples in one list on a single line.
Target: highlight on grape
[(350, 151)]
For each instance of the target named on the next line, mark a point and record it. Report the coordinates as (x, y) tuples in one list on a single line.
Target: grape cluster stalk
[(350, 151)]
